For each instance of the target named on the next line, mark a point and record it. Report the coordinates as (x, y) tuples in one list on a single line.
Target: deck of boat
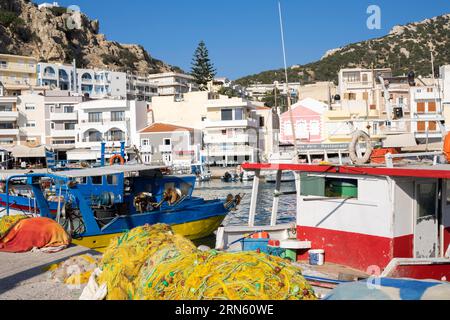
[(23, 275)]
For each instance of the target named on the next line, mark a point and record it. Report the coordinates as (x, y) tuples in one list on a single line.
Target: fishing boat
[(230, 177), (202, 174), (97, 204), (391, 222)]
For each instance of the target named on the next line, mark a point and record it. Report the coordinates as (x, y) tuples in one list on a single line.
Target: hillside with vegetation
[(48, 35), (405, 48)]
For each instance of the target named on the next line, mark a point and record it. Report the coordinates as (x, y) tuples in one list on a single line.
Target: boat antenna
[(291, 115)]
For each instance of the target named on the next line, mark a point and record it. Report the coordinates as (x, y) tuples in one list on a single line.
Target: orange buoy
[(447, 147), (113, 159)]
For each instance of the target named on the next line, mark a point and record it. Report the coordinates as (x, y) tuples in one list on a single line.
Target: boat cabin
[(394, 221)]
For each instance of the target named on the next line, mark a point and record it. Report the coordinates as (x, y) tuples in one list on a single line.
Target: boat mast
[(287, 85)]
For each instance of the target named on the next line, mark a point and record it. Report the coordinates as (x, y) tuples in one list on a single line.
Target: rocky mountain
[(58, 35), (404, 49)]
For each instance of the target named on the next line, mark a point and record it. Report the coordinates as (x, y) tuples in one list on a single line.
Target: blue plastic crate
[(255, 244)]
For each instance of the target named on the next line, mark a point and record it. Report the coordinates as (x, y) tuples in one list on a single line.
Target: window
[(31, 124), (117, 116), (52, 125), (329, 187), (145, 142), (288, 128), (6, 108), (69, 109), (365, 96), (97, 180), (352, 76), (6, 141), (167, 142), (30, 107), (117, 135), (112, 180), (421, 107), (69, 126), (227, 114), (432, 106), (365, 77), (95, 117), (262, 122), (239, 114), (81, 180), (315, 128)]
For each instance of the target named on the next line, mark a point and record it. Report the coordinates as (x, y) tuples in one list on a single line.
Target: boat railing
[(390, 157)]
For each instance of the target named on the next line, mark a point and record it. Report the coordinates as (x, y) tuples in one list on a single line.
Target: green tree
[(202, 69)]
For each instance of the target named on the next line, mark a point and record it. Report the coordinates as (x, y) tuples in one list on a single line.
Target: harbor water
[(219, 189)]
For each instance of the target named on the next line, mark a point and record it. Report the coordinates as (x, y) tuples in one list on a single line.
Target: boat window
[(97, 180), (112, 180), (81, 180), (329, 187)]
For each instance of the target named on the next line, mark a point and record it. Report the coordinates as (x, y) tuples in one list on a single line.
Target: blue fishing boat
[(97, 204)]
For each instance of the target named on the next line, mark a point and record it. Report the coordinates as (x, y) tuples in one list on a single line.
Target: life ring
[(112, 161), (353, 146), (447, 147)]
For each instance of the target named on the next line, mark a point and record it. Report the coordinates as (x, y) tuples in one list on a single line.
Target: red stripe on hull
[(356, 250)]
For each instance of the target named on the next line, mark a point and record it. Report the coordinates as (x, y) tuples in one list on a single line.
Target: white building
[(426, 112), (172, 83), (48, 5), (231, 132), (110, 121), (170, 144), (139, 88), (97, 84), (61, 119)]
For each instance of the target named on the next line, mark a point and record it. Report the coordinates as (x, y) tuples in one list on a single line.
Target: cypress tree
[(202, 69)]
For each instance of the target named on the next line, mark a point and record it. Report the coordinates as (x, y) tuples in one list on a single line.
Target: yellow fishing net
[(7, 222), (128, 254), (74, 271), (151, 263), (223, 276)]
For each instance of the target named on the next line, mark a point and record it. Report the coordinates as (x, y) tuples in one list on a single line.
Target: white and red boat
[(392, 222)]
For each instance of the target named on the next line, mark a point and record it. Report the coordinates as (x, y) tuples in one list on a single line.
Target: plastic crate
[(276, 251), (255, 245)]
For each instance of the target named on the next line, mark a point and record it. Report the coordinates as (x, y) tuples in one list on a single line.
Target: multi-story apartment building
[(31, 120), (139, 88), (231, 132), (110, 121), (172, 83), (97, 84), (258, 91), (360, 89), (17, 72), (9, 116), (426, 113), (61, 119)]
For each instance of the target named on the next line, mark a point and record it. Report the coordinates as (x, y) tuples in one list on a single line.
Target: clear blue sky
[(243, 36)]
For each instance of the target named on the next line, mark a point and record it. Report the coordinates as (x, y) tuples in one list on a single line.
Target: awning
[(104, 171), (26, 152)]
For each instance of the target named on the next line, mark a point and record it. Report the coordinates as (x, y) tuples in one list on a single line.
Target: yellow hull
[(192, 230)]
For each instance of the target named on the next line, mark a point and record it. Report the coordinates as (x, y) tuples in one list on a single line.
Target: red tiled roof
[(164, 127)]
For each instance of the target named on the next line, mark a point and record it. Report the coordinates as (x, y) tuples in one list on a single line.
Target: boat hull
[(193, 230)]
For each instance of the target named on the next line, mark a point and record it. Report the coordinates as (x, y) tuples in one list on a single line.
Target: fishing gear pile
[(127, 255), (151, 263), (74, 271), (7, 222), (223, 276)]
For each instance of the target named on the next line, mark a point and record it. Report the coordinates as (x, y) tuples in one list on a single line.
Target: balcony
[(63, 116), (165, 148), (63, 133), (9, 132), (231, 123), (226, 139), (9, 116)]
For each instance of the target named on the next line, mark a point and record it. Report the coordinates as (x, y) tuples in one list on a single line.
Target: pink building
[(307, 115)]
